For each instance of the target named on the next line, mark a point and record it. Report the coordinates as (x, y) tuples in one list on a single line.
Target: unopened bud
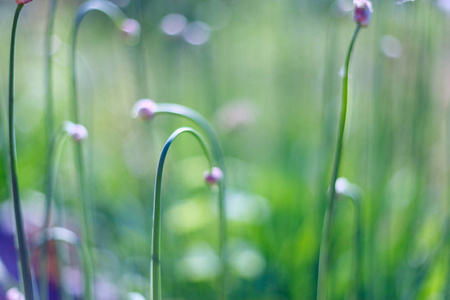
[(131, 30), (144, 109), (363, 12), (214, 176)]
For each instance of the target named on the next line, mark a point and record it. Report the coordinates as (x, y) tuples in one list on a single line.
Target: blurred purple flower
[(14, 294), (19, 2), (197, 33), (363, 12), (8, 252), (77, 131), (235, 115), (173, 24)]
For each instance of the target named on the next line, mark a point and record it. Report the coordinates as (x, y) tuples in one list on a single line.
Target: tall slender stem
[(23, 251), (180, 110), (56, 146), (155, 268), (117, 17), (325, 242), (358, 236)]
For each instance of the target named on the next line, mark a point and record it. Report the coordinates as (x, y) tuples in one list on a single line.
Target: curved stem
[(109, 9), (23, 251), (117, 16), (155, 267), (183, 111), (325, 242)]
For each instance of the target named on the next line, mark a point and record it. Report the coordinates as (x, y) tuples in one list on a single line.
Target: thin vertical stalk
[(54, 158), (446, 247), (23, 251), (155, 266), (325, 242), (358, 278), (357, 243), (352, 192), (56, 146), (182, 111)]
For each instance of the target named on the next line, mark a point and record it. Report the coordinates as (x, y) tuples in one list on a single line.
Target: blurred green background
[(266, 74)]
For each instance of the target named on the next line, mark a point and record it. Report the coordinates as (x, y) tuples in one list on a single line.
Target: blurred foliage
[(267, 77)]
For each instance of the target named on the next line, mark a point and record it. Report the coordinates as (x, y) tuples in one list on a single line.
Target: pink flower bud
[(131, 30), (363, 12), (14, 294), (77, 131), (21, 2), (145, 109), (214, 176)]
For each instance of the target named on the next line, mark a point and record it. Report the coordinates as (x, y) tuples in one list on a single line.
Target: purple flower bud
[(363, 12), (131, 30), (214, 176), (14, 294), (77, 131), (145, 109), (19, 2)]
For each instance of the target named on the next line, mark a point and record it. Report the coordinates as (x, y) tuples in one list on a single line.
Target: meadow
[(267, 75)]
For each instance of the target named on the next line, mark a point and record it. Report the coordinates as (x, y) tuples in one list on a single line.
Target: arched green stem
[(64, 235), (183, 111), (117, 16), (325, 242), (23, 251), (155, 266)]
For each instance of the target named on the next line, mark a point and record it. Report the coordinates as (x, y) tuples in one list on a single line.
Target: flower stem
[(117, 16), (180, 110), (325, 242), (56, 146), (23, 251), (155, 266), (114, 13)]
